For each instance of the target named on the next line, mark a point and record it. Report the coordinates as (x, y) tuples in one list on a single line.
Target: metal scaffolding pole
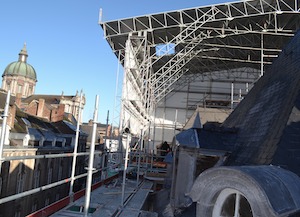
[(125, 169), (44, 156), (262, 55), (75, 148), (231, 98), (139, 161), (91, 160), (104, 154)]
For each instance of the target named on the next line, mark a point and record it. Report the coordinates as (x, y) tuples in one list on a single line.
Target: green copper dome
[(21, 67)]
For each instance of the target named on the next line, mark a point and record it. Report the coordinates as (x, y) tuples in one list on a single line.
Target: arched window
[(47, 201), (37, 177), (17, 211), (50, 173), (20, 179), (60, 170), (34, 205), (57, 197), (20, 88), (30, 90), (8, 86)]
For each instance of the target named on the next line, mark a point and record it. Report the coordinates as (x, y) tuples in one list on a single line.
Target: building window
[(30, 91), (34, 205), (58, 144), (36, 143), (37, 176), (56, 197), (47, 143), (20, 179), (68, 141), (19, 89), (17, 211), (8, 86), (50, 173), (60, 171), (47, 201)]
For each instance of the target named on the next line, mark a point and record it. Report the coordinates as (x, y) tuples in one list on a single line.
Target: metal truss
[(210, 43), (116, 32)]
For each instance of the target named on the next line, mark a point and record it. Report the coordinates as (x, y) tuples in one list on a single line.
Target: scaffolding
[(176, 61)]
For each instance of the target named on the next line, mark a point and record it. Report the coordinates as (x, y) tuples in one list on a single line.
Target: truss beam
[(228, 42)]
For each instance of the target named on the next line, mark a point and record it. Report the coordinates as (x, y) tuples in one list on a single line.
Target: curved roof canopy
[(229, 42)]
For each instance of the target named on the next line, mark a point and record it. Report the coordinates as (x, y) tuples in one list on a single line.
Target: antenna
[(100, 16)]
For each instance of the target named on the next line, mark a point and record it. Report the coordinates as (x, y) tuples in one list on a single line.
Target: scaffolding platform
[(106, 201)]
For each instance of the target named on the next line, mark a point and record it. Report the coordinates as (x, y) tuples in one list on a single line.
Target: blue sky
[(66, 46)]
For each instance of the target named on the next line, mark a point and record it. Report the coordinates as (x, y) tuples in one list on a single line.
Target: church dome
[(21, 67)]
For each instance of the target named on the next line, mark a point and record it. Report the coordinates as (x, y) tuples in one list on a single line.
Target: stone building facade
[(37, 125)]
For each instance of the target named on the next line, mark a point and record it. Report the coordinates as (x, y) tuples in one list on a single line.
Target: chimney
[(40, 107), (11, 116), (58, 113)]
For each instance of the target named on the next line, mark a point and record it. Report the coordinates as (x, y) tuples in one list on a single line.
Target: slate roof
[(267, 117), (267, 120), (40, 125)]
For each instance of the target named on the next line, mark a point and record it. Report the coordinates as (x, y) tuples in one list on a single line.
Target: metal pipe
[(109, 156), (75, 148), (172, 194), (175, 121), (91, 160), (154, 129), (139, 162), (46, 156), (147, 147), (237, 205), (196, 137), (232, 87), (152, 152), (3, 130), (125, 169), (262, 55), (104, 154)]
